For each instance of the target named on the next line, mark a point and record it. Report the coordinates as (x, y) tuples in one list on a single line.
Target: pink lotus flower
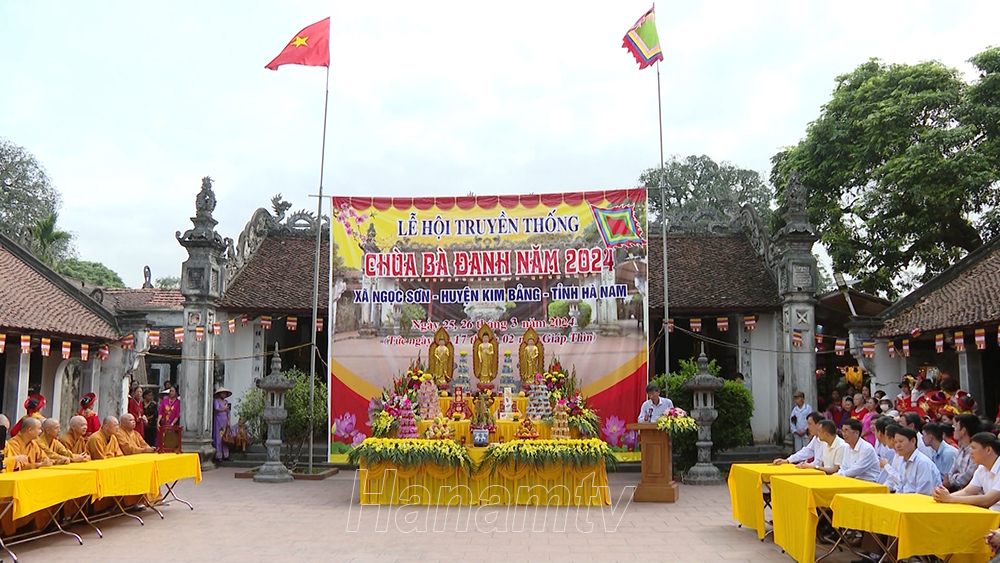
[(630, 439), (613, 429), (357, 439), (344, 426)]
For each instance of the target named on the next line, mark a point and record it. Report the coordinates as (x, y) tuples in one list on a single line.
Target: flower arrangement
[(481, 418), (676, 422), (581, 417), (559, 382), (411, 453), (538, 453)]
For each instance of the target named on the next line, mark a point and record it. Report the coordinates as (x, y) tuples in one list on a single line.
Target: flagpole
[(315, 302), (663, 226)]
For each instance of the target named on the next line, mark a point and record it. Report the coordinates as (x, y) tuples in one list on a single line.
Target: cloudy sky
[(129, 104)]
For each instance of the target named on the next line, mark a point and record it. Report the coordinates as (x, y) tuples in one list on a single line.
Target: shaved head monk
[(130, 440), (22, 452), (74, 439), (53, 447), (103, 443)]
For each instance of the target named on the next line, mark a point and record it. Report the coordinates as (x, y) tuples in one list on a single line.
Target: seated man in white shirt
[(911, 471), (833, 449), (860, 460), (814, 449), (984, 489), (913, 421), (654, 407)]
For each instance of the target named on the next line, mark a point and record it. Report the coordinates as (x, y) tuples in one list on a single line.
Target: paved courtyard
[(236, 520)]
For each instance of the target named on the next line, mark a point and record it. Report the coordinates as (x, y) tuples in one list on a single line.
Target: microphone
[(649, 414)]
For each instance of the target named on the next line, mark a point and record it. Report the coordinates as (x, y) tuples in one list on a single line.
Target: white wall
[(239, 372), (888, 371), (764, 379)]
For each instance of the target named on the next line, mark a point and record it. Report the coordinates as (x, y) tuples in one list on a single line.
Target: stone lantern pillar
[(274, 385), (703, 387)]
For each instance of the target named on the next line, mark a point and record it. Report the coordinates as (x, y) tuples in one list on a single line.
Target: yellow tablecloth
[(173, 467), (39, 489), (521, 402), (429, 484), (923, 526), (746, 490), (461, 428), (507, 428), (118, 476), (794, 500)]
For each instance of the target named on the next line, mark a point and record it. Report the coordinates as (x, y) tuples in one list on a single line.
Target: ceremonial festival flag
[(216, 328), (103, 352), (67, 349), (819, 340), (128, 342), (670, 325), (309, 47), (840, 346), (199, 333), (868, 348), (243, 320), (892, 349), (25, 344), (722, 323), (695, 325), (906, 348), (46, 347), (3, 342), (960, 341), (154, 338), (84, 352), (939, 343), (750, 322), (981, 338), (265, 322), (797, 338), (232, 326), (179, 335), (292, 323), (915, 333), (643, 42), (319, 325), (618, 226)]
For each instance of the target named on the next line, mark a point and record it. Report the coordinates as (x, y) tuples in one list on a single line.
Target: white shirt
[(886, 453), (860, 462), (798, 417), (988, 480), (656, 410), (925, 449), (833, 454), (915, 475), (813, 450)]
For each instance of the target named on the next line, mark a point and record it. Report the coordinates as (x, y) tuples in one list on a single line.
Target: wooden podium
[(657, 483)]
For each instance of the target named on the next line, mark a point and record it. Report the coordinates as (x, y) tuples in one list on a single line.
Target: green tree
[(901, 168), (168, 282), (26, 192), (49, 244), (90, 272), (698, 182)]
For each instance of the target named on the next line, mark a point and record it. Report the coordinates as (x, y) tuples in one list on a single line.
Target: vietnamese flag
[(309, 47)]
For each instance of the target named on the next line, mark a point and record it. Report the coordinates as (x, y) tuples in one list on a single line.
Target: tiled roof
[(35, 299), (965, 295), (279, 277), (167, 341), (710, 273), (141, 299)]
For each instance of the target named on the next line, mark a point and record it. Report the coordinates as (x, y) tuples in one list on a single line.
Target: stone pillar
[(860, 329), (16, 383), (202, 284), (607, 308), (797, 286)]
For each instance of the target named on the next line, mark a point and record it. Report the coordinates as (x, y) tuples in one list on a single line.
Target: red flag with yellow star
[(309, 47)]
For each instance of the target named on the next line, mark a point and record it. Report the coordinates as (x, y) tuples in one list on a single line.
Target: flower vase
[(480, 437)]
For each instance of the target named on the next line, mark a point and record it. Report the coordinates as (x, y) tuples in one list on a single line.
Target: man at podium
[(655, 406)]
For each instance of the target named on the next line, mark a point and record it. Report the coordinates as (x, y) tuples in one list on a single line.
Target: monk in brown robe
[(103, 444), (53, 448), (74, 439), (22, 452), (129, 439)]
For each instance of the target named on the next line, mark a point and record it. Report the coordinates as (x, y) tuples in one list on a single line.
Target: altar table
[(554, 485), (919, 525), (118, 476), (520, 402), (795, 502), (746, 491)]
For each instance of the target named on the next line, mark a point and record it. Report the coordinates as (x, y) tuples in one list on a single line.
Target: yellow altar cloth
[(521, 402), (507, 428), (118, 476), (38, 489), (923, 526), (746, 490), (461, 428), (795, 500), (170, 467), (430, 484)]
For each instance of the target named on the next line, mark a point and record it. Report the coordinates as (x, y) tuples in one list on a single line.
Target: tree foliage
[(49, 244), (90, 272), (698, 182), (901, 168), (168, 282), (26, 192)]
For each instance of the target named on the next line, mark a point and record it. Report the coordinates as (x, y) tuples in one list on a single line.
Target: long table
[(430, 484), (44, 493), (747, 484), (918, 525), (798, 503)]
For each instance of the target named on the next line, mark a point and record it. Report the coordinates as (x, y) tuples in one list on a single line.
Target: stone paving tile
[(239, 521)]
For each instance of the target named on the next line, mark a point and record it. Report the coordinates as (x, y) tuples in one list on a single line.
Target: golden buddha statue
[(485, 360), (440, 359), (531, 356)]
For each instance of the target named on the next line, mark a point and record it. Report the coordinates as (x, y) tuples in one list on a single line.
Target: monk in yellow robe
[(103, 444), (22, 452), (53, 448), (130, 440), (74, 439)]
